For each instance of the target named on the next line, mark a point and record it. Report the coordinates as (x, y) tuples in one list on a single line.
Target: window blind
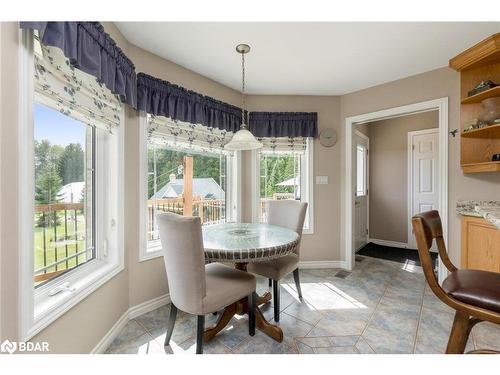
[(185, 136), (296, 145), (72, 92)]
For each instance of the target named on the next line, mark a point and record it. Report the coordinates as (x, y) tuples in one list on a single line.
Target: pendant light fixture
[(243, 139)]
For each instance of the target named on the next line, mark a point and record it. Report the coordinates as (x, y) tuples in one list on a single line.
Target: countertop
[(489, 210)]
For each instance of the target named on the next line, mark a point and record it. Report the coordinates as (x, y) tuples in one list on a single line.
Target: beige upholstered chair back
[(288, 214), (182, 243)]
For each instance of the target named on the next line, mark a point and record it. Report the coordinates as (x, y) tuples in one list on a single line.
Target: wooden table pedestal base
[(241, 308)]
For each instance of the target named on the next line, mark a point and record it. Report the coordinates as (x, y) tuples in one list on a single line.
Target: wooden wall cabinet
[(480, 244), (479, 63)]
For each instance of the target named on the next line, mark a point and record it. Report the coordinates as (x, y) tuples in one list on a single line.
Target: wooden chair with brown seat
[(474, 294)]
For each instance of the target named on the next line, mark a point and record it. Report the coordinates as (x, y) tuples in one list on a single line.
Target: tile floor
[(381, 307)]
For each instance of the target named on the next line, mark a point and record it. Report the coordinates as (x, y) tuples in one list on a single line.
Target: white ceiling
[(307, 58)]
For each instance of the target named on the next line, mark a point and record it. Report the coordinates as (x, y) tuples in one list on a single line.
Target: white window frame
[(307, 186), (152, 249), (364, 191), (37, 308)]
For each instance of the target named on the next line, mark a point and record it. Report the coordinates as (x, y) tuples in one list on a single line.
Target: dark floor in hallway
[(395, 254)]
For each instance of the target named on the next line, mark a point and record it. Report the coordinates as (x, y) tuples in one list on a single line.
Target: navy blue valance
[(284, 124), (90, 49), (162, 98)]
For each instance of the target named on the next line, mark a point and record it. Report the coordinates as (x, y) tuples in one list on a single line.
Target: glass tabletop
[(240, 236), (245, 241)]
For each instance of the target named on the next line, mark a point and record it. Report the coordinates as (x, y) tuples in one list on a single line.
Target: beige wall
[(80, 329), (324, 243), (388, 182), (435, 84), (147, 279)]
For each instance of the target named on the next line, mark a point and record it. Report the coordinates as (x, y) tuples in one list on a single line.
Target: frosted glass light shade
[(243, 140)]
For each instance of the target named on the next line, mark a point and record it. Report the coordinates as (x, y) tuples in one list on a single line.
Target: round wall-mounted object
[(328, 137)]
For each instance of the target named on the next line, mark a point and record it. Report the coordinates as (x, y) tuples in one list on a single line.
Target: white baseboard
[(322, 264), (148, 306), (131, 313), (403, 245)]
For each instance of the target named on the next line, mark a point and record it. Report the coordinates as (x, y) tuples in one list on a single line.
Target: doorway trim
[(411, 134), (441, 105)]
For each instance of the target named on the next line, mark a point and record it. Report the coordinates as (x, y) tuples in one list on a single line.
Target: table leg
[(265, 298), (224, 319), (241, 308), (273, 331)]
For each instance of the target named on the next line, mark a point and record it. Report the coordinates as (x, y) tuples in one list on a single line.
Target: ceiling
[(306, 58)]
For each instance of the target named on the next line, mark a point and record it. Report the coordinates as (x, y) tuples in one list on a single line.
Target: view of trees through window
[(166, 178), (279, 178), (61, 227)]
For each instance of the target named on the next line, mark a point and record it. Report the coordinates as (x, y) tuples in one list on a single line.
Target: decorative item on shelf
[(491, 110), (475, 124), (243, 139), (495, 157), (482, 86), (328, 137)]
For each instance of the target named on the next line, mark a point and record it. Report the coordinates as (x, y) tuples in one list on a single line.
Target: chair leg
[(171, 323), (276, 300), (251, 313), (199, 334), (462, 325), (270, 283), (297, 281)]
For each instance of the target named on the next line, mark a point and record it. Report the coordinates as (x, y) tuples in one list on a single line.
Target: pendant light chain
[(243, 139), (243, 122)]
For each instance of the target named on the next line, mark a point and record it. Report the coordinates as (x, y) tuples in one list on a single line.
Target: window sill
[(85, 281), (150, 254), (150, 250), (308, 231)]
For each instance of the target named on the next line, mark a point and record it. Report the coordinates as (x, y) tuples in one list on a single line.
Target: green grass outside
[(63, 247)]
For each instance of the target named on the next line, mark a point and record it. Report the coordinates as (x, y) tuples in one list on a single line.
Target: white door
[(423, 175), (361, 170)]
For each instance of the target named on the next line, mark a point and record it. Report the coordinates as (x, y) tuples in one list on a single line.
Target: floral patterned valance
[(90, 49), (185, 136), (297, 145), (70, 91)]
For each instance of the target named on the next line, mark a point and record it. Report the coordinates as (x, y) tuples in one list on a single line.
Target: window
[(64, 233), (71, 182), (284, 172), (361, 173), (187, 172)]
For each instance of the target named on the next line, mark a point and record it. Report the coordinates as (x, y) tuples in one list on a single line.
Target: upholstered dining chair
[(473, 294), (194, 287), (288, 214)]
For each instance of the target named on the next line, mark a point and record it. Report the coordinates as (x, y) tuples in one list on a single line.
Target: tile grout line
[(122, 345), (419, 319), (371, 316)]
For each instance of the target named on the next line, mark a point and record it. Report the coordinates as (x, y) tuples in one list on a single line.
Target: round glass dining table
[(242, 243), (245, 243)]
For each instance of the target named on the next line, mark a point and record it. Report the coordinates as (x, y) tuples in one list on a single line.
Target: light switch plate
[(321, 180)]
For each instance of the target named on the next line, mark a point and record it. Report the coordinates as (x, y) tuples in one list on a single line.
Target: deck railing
[(210, 211), (59, 239)]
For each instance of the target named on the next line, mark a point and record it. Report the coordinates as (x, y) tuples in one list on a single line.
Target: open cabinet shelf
[(479, 63), (486, 94), (490, 166), (487, 131)]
